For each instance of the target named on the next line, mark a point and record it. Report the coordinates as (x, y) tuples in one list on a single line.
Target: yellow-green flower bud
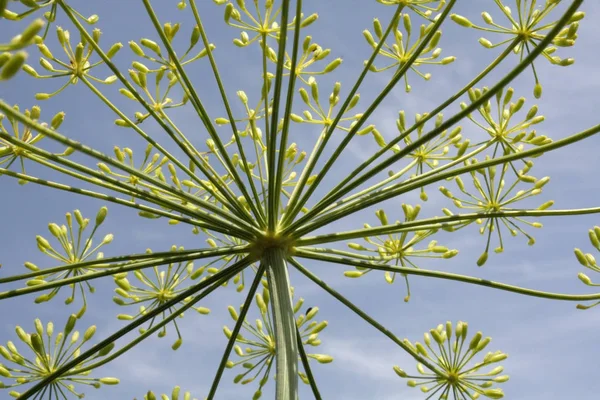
[(353, 274), (581, 257), (13, 65), (233, 313), (109, 381), (462, 21), (322, 358), (101, 216)]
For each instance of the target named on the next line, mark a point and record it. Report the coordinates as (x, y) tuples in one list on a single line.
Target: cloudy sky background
[(552, 347)]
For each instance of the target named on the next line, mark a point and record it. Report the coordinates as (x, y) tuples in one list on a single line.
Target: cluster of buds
[(158, 100), (401, 51), (78, 65), (11, 63), (10, 152), (492, 196), (263, 24), (589, 261), (311, 54), (455, 375), (74, 249), (429, 154), (424, 8), (49, 355), (149, 165), (316, 113), (165, 60), (257, 358), (174, 395), (399, 249), (529, 29), (157, 288), (507, 138)]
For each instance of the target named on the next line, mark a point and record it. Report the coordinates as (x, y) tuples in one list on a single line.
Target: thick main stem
[(284, 325)]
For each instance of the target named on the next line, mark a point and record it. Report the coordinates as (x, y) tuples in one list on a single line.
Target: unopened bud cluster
[(73, 248), (399, 249), (50, 351), (455, 375)]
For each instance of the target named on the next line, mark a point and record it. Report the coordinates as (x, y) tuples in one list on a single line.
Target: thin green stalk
[(130, 87), (236, 330), (256, 208), (272, 208), (440, 223), (396, 190), (199, 253), (156, 327), (422, 122), (288, 110), (218, 277), (106, 272), (459, 116), (306, 366), (368, 112), (8, 110), (361, 314), (117, 185), (195, 100), (112, 199), (284, 325), (291, 209), (150, 140), (448, 276)]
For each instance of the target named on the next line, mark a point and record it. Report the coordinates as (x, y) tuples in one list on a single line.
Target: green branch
[(292, 210), (368, 112), (256, 208), (448, 276), (236, 330), (431, 177), (362, 314)]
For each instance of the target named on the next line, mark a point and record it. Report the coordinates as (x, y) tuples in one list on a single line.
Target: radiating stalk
[(286, 344)]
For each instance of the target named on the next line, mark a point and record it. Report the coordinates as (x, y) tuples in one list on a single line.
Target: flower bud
[(109, 381), (13, 65), (462, 21)]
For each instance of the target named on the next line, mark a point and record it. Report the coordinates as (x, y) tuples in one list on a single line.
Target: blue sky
[(551, 346)]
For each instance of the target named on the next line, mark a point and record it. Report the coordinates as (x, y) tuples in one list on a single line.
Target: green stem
[(438, 223), (449, 276), (457, 117), (306, 366), (195, 100), (156, 145), (218, 277), (422, 181), (284, 325), (256, 208), (8, 110), (117, 269), (236, 330), (200, 253), (368, 112), (272, 211), (112, 199), (292, 210), (362, 314), (288, 109)]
